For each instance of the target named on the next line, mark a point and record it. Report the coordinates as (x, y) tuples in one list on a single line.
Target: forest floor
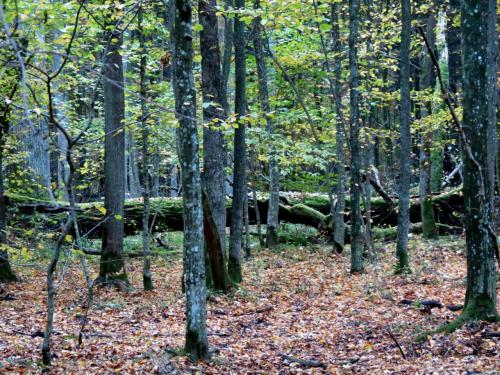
[(295, 304)]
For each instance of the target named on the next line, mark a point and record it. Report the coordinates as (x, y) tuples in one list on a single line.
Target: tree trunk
[(185, 103), (428, 82), (226, 59), (338, 235), (112, 263), (6, 273), (452, 35), (403, 264), (480, 299), (274, 175), (147, 279), (492, 52), (216, 257), (239, 169), (356, 251), (214, 176)]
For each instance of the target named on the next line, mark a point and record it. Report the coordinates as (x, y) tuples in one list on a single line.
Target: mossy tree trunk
[(480, 299), (196, 344)]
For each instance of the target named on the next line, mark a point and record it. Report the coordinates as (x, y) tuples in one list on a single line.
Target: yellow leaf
[(102, 210), (68, 238)]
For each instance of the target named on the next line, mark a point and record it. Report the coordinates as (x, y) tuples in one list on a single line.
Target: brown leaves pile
[(298, 311)]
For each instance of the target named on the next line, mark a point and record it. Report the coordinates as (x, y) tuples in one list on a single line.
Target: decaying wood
[(307, 209)]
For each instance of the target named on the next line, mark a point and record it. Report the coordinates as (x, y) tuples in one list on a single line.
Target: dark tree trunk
[(6, 273), (216, 257), (185, 104), (274, 175), (239, 169), (112, 264), (405, 140), (492, 52), (214, 177), (338, 235), (147, 279), (356, 238), (480, 299), (452, 35)]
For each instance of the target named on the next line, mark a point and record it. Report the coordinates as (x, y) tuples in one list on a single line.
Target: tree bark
[(226, 58), (214, 176), (338, 235), (480, 299), (405, 141), (356, 251), (6, 273), (492, 52), (452, 36), (196, 344), (274, 175), (147, 279), (239, 168), (428, 82), (112, 265)]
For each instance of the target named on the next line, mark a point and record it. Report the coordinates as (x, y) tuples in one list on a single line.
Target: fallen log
[(166, 213)]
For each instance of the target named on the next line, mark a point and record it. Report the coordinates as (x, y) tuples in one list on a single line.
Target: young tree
[(480, 298), (112, 266), (274, 175), (239, 168), (185, 104), (214, 176), (405, 140), (356, 237)]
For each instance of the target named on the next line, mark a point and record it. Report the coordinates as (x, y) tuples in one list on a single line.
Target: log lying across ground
[(308, 209)]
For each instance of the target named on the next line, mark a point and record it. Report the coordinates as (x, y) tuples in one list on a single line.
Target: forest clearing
[(249, 187)]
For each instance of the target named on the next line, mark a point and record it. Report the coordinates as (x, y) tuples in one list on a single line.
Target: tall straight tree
[(405, 141), (428, 82), (239, 168), (356, 249), (214, 156), (274, 175), (339, 227), (147, 279), (480, 298), (185, 105), (112, 266)]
